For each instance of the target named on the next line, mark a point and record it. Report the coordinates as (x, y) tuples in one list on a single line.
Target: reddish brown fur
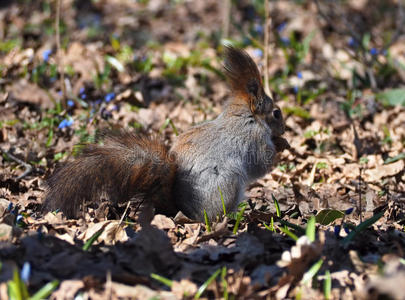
[(126, 167)]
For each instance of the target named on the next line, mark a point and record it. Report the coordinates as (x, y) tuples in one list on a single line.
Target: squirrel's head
[(246, 84)]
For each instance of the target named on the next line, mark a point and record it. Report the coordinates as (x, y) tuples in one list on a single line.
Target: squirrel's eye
[(277, 114)]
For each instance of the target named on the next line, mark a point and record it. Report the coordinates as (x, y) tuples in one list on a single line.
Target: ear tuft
[(242, 72)]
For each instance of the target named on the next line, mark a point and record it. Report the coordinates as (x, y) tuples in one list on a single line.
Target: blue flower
[(10, 206), (296, 89), (258, 28), (299, 74), (70, 103), (97, 102), (285, 41), (15, 211), (65, 123), (281, 27), (352, 42), (373, 51), (258, 52), (337, 230), (83, 96), (25, 272), (109, 97), (19, 219), (349, 211), (82, 90), (46, 54)]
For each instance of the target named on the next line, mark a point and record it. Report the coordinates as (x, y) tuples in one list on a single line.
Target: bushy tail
[(126, 167)]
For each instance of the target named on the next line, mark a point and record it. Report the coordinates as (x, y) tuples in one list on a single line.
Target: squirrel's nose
[(277, 114)]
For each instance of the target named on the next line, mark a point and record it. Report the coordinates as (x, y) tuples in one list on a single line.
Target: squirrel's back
[(126, 167)]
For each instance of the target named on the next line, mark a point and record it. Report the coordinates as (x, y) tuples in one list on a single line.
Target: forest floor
[(338, 73)]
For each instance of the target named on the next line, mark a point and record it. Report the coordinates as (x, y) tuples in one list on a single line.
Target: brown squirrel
[(225, 154)]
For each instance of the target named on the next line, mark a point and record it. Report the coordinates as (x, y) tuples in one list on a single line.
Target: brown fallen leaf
[(183, 287), (384, 171), (67, 289), (162, 222), (27, 92), (113, 232)]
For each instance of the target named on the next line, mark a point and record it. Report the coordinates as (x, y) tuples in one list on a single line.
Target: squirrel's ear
[(244, 78)]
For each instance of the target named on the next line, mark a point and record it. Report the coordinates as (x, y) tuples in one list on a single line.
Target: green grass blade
[(269, 228), (293, 226), (13, 291), (222, 200), (162, 279), (168, 122), (238, 218), (312, 271), (327, 285), (278, 210), (310, 231), (224, 283), (207, 222), (50, 134), (45, 291), (165, 124), (17, 289), (289, 233), (176, 132), (362, 226), (204, 286), (92, 239)]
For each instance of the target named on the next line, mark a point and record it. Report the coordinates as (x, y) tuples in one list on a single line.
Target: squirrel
[(214, 159)]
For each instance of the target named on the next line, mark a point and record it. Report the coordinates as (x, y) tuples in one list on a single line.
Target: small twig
[(226, 17), (373, 81), (357, 143), (59, 53), (108, 285), (28, 167), (267, 24), (125, 212), (360, 204)]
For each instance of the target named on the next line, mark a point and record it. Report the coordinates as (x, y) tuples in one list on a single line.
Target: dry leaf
[(384, 171), (113, 232)]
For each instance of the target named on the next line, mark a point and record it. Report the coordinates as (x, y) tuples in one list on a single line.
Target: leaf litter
[(347, 148)]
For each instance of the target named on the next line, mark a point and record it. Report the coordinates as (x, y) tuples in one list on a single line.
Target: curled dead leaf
[(113, 232), (163, 222), (384, 171)]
